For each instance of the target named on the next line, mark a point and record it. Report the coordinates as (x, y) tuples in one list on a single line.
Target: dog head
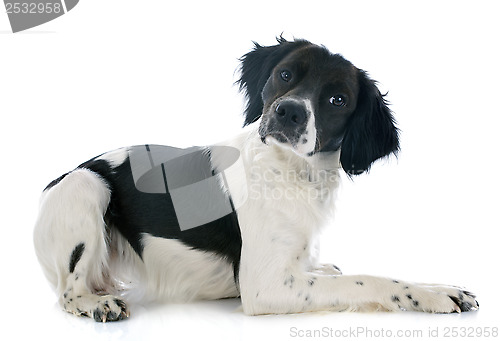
[(313, 101)]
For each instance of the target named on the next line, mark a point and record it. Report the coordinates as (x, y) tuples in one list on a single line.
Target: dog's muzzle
[(290, 123)]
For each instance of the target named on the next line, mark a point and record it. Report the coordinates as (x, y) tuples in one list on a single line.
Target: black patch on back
[(134, 213), (75, 256)]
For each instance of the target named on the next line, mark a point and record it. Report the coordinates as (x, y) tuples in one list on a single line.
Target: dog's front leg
[(274, 280)]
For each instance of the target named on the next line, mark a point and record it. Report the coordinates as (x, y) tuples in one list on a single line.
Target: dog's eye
[(286, 75), (338, 100)]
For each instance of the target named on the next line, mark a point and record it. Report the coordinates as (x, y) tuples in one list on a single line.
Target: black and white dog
[(236, 219)]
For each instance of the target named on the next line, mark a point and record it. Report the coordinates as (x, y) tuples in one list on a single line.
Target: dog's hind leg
[(71, 244)]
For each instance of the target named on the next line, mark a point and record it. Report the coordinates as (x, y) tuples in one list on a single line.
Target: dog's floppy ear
[(371, 132), (256, 67)]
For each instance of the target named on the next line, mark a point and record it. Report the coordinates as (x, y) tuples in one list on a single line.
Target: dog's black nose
[(290, 114)]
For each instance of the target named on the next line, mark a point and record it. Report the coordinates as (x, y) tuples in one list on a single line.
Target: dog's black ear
[(256, 67), (371, 131)]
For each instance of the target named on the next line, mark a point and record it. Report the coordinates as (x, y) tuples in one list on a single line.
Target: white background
[(117, 73)]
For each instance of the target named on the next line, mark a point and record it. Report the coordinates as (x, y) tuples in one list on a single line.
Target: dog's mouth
[(281, 140), (276, 137), (271, 133)]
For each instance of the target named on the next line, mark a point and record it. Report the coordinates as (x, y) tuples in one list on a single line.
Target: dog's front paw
[(434, 299), (465, 300)]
